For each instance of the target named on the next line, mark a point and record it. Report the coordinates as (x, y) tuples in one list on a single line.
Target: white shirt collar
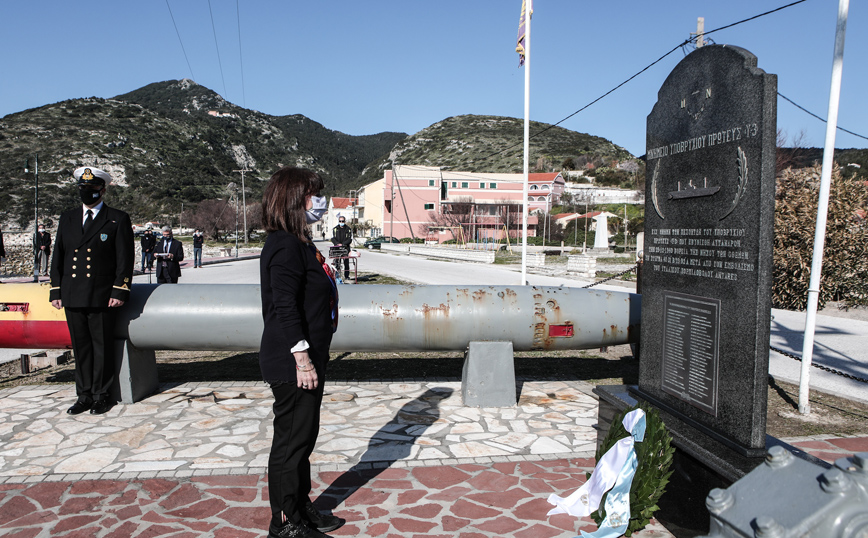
[(95, 210)]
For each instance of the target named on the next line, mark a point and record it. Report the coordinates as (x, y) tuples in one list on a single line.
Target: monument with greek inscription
[(709, 223)]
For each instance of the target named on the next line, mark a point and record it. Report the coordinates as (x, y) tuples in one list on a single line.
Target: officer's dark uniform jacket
[(90, 268)]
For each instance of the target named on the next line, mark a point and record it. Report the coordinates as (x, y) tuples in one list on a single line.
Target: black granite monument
[(709, 223), (707, 275)]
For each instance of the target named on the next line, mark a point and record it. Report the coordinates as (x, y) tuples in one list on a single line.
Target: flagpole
[(822, 209), (527, 17)]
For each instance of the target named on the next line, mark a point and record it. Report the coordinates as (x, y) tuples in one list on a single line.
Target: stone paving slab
[(396, 459), (200, 429)]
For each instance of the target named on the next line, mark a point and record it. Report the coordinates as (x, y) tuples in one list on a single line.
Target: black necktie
[(87, 221)]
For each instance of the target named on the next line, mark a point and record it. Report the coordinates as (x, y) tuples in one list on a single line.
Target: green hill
[(177, 142), (170, 143), (495, 144)]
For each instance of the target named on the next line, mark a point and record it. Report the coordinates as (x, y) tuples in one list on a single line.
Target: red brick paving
[(472, 501), (466, 501), (834, 448), (852, 444)]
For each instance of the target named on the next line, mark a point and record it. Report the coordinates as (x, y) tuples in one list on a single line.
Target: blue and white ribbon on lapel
[(614, 471)]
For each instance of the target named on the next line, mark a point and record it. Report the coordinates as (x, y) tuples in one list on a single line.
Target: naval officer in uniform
[(91, 271)]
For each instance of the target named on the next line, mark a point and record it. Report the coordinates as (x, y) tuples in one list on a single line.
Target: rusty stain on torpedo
[(428, 311)]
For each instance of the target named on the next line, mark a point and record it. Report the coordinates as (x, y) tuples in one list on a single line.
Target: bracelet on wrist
[(304, 367)]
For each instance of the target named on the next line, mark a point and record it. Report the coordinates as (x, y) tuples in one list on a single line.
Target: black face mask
[(89, 196)]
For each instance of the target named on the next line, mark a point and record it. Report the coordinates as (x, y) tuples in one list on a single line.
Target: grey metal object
[(488, 377), (787, 497), (136, 373), (388, 318)]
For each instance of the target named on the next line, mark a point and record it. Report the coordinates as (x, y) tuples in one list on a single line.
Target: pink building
[(438, 205)]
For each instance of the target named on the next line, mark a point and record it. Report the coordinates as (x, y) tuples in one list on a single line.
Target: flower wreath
[(652, 474)]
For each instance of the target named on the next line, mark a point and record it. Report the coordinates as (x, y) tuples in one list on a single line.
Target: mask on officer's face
[(89, 196)]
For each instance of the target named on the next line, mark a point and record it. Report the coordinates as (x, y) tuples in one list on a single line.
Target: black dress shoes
[(294, 530), (101, 406), (79, 407), (322, 522)]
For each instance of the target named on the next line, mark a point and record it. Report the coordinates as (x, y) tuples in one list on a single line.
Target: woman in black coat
[(299, 308)]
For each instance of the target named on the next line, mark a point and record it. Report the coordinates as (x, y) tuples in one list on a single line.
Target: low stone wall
[(536, 259), (396, 247), (584, 266), (19, 261), (479, 256)]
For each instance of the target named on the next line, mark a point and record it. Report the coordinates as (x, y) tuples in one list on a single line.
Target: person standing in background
[(148, 242), (91, 271), (343, 236), (169, 253), (42, 246), (198, 243)]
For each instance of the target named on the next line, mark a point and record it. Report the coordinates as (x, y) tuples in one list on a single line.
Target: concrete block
[(136, 373), (585, 266), (488, 378)]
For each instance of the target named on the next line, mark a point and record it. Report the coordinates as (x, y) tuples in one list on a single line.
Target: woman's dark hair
[(284, 200)]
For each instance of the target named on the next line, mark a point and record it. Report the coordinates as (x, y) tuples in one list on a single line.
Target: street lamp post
[(35, 210), (233, 187), (243, 203)]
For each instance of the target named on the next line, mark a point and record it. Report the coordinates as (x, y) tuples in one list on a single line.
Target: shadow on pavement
[(393, 442)]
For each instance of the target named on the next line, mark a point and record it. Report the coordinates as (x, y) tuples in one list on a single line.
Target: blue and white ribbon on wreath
[(614, 471)]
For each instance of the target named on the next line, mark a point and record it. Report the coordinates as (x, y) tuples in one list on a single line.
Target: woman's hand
[(305, 373)]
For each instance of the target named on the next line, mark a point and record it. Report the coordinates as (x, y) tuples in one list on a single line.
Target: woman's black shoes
[(294, 530), (80, 407), (322, 522)]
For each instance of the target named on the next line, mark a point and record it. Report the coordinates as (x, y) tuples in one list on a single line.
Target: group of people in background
[(168, 252)]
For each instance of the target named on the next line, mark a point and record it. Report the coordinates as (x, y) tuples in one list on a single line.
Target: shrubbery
[(845, 255)]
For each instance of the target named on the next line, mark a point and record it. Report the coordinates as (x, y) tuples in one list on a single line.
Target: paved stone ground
[(395, 459)]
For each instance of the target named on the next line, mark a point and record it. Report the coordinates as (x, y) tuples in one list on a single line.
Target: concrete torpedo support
[(372, 318)]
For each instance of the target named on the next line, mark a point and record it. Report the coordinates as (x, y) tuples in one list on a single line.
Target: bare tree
[(212, 217), (254, 217), (509, 213), (790, 153), (454, 214)]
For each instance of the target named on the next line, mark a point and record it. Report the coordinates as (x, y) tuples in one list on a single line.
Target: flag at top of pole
[(526, 6)]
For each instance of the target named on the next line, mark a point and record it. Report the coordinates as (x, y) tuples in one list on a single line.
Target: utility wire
[(179, 40), (658, 60), (240, 56), (219, 62), (816, 116)]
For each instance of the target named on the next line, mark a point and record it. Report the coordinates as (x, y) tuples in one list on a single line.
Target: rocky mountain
[(177, 142), (169, 143), (495, 144)]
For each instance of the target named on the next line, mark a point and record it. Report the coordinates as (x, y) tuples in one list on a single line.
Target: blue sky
[(362, 67)]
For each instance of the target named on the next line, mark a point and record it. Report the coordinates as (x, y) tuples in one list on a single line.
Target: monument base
[(700, 463)]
